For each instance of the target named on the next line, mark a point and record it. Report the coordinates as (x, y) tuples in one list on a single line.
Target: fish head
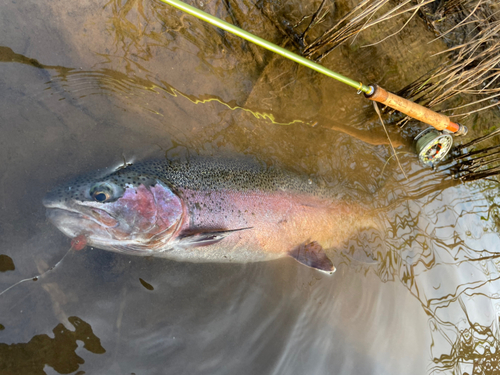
[(124, 211)]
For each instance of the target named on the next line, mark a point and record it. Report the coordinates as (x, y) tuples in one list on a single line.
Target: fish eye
[(101, 192), (100, 196)]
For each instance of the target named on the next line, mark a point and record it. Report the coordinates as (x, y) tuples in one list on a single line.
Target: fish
[(218, 210)]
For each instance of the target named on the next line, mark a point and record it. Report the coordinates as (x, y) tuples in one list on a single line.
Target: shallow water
[(121, 81)]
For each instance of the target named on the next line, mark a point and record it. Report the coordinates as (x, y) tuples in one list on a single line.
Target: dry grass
[(466, 84), (467, 165), (470, 28), (473, 70), (315, 40), (471, 76), (359, 19)]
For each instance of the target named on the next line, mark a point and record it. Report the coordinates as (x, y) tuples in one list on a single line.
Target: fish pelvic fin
[(311, 254)]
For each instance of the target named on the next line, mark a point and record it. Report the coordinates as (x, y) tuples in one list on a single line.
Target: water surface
[(96, 84)]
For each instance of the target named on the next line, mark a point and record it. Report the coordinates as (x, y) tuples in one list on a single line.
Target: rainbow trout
[(206, 210)]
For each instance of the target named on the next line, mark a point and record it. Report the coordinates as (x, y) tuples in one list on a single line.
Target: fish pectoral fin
[(206, 238), (312, 255)]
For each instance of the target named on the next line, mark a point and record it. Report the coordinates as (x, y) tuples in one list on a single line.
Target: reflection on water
[(120, 77), (446, 256), (6, 263), (58, 352)]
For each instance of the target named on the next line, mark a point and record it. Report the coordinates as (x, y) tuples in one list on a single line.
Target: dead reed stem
[(473, 69)]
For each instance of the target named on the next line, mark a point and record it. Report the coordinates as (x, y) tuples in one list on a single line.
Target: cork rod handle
[(418, 112)]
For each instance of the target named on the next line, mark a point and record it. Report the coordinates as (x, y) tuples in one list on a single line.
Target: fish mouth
[(69, 222), (73, 223), (56, 212), (58, 215)]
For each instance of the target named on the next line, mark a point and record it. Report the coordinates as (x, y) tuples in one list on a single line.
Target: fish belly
[(276, 224)]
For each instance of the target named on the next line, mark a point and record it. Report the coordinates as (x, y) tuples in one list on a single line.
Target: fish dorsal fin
[(312, 255)]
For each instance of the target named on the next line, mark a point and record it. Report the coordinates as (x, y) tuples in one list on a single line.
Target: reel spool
[(432, 146)]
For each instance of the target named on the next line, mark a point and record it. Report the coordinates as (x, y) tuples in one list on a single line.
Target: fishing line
[(395, 154), (389, 159), (76, 244)]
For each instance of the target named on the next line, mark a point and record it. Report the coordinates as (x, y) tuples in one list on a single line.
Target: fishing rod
[(432, 145)]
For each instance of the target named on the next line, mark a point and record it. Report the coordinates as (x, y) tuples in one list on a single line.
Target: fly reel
[(432, 146)]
